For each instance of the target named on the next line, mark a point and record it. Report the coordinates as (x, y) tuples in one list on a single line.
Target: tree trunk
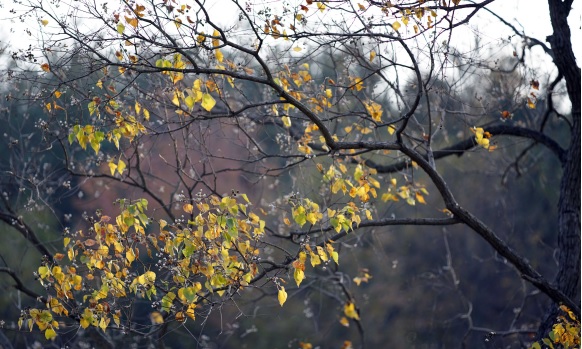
[(568, 277)]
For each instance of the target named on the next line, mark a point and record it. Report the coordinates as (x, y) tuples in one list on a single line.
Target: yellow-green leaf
[(43, 272), (50, 333), (286, 121), (189, 102), (208, 102)]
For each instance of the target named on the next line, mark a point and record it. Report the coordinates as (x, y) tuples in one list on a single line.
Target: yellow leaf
[(207, 102), (188, 208), (120, 28), (219, 55), (375, 110), (372, 55), (190, 102), (311, 218), (201, 38), (314, 259), (146, 114), (299, 276), (391, 129), (297, 49), (368, 215), (530, 103), (175, 100), (50, 333), (130, 255), (156, 317), (44, 22), (322, 254), (320, 6), (420, 198), (99, 83), (131, 21), (350, 311), (480, 137), (286, 121), (344, 321), (215, 41), (112, 167), (121, 166), (282, 295), (396, 26), (103, 322), (334, 255), (43, 272), (357, 83)]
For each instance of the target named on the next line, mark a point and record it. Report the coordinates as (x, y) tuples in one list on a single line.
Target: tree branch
[(521, 264), (461, 147), (20, 286)]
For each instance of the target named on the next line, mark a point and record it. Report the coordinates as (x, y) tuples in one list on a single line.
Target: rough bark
[(568, 276)]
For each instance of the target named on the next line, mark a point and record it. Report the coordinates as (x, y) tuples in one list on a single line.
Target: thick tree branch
[(20, 285), (18, 224), (520, 263), (465, 145)]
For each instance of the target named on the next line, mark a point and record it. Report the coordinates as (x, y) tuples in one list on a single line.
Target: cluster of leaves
[(215, 253), (178, 268), (565, 333)]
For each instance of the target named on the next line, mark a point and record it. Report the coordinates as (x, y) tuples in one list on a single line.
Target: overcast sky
[(532, 15)]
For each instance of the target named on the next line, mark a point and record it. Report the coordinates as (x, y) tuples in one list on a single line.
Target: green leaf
[(167, 301), (189, 293), (92, 107), (548, 342), (552, 336)]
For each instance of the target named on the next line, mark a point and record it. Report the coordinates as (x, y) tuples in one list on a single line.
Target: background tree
[(248, 160)]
